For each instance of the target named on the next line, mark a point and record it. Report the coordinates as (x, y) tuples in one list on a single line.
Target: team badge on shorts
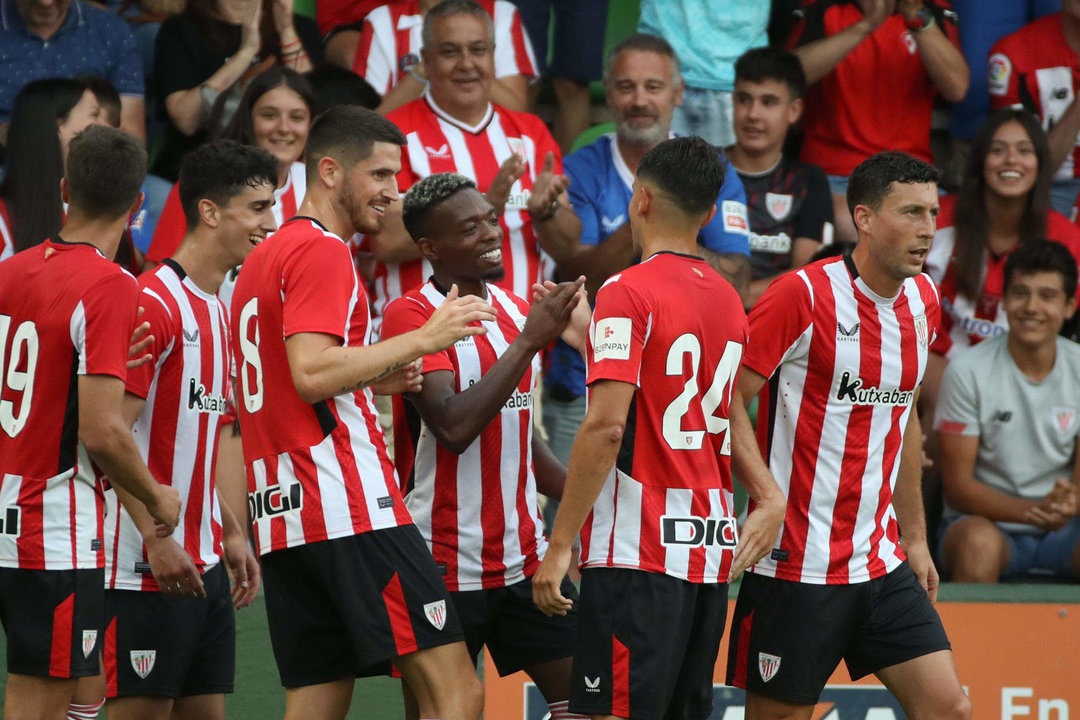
[(89, 640), (767, 666), (142, 662), (436, 613)]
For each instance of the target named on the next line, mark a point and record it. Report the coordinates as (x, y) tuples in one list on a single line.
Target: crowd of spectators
[(797, 94)]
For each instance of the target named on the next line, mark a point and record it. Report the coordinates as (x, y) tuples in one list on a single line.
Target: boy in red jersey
[(66, 314), (843, 344), (350, 584), (650, 474)]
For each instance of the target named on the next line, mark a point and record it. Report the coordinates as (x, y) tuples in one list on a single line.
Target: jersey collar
[(444, 116)]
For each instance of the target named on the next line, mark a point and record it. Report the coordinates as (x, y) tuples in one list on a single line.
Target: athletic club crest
[(921, 333), (142, 662), (89, 640), (767, 666), (436, 614), (1064, 419), (778, 205)]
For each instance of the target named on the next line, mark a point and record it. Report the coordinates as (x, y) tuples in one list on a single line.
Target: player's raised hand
[(453, 320), (140, 340), (165, 510), (173, 569), (547, 582), (576, 332), (876, 11), (243, 569), (409, 379), (551, 313), (499, 190), (546, 189), (759, 532)]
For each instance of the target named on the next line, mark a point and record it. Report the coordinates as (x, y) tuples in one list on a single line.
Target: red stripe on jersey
[(811, 420), (521, 49), (492, 515), (653, 506), (60, 654), (526, 526), (363, 50), (351, 477), (620, 679), (398, 613), (849, 496), (743, 653), (444, 515), (31, 541), (695, 571), (109, 656), (307, 472)]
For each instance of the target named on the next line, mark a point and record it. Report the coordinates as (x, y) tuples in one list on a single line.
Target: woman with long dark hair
[(45, 115)]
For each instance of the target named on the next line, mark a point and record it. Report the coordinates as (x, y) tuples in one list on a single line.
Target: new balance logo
[(592, 685), (844, 334), (192, 337), (272, 502), (1001, 416), (203, 401), (851, 390)]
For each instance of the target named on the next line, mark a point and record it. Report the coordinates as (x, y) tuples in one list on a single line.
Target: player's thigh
[(788, 637), (523, 637), (213, 663), (36, 697), (325, 701), (140, 708), (762, 707), (441, 678), (52, 620), (200, 707), (927, 687)]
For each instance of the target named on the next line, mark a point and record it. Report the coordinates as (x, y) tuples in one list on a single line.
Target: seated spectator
[(1011, 510), (65, 38), (275, 114), (1037, 68), (216, 47), (873, 75), (384, 49), (788, 202), (45, 116), (643, 86)]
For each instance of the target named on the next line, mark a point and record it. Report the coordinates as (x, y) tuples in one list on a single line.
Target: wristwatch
[(922, 20)]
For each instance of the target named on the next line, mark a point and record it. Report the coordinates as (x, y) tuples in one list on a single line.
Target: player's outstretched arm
[(908, 504), (591, 459), (108, 439), (762, 526), (322, 368), (239, 560), (458, 418), (549, 470)]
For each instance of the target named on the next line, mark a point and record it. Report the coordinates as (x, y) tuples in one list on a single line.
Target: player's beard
[(360, 222), (651, 135)]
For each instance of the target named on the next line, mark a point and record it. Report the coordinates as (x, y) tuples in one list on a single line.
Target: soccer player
[(66, 314), (842, 344), (650, 474), (350, 584), (478, 462), (169, 628)]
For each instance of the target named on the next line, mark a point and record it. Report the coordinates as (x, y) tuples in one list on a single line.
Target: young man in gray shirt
[(1009, 423)]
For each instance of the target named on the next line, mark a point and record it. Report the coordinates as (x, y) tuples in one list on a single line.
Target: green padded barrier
[(591, 135)]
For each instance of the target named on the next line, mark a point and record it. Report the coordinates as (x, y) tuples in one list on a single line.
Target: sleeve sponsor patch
[(612, 340), (998, 70), (734, 213)]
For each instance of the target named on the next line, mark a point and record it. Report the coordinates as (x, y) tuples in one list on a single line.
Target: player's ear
[(708, 217), (208, 213), (427, 249), (330, 172), (862, 216), (65, 192), (795, 111)]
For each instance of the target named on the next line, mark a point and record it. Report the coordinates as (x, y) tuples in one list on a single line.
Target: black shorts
[(52, 619), (516, 633), (647, 645), (788, 637), (158, 645), (347, 607)]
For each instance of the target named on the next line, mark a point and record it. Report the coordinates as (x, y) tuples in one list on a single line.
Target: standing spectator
[(215, 47), (708, 35), (385, 50), (510, 156), (1009, 509), (788, 202), (837, 350), (873, 67), (577, 54), (1037, 68), (68, 313), (66, 38)]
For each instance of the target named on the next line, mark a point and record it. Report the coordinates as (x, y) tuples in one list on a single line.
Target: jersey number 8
[(251, 372), (25, 340), (723, 378)]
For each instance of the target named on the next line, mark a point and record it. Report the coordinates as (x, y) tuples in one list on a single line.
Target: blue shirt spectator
[(64, 40)]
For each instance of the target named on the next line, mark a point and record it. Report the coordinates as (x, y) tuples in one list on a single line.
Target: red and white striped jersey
[(390, 41), (966, 321), (438, 143), (477, 510), (7, 239), (65, 311), (843, 365), (667, 505), (321, 471), (185, 386)]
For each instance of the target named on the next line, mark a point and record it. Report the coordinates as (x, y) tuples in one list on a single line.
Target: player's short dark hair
[(871, 182), (1043, 255), (446, 8), (425, 196), (337, 86), (219, 171), (772, 63), (105, 172), (644, 42), (347, 133), (689, 170)]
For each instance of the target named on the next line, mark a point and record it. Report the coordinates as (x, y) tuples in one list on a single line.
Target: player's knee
[(975, 539), (959, 708)]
